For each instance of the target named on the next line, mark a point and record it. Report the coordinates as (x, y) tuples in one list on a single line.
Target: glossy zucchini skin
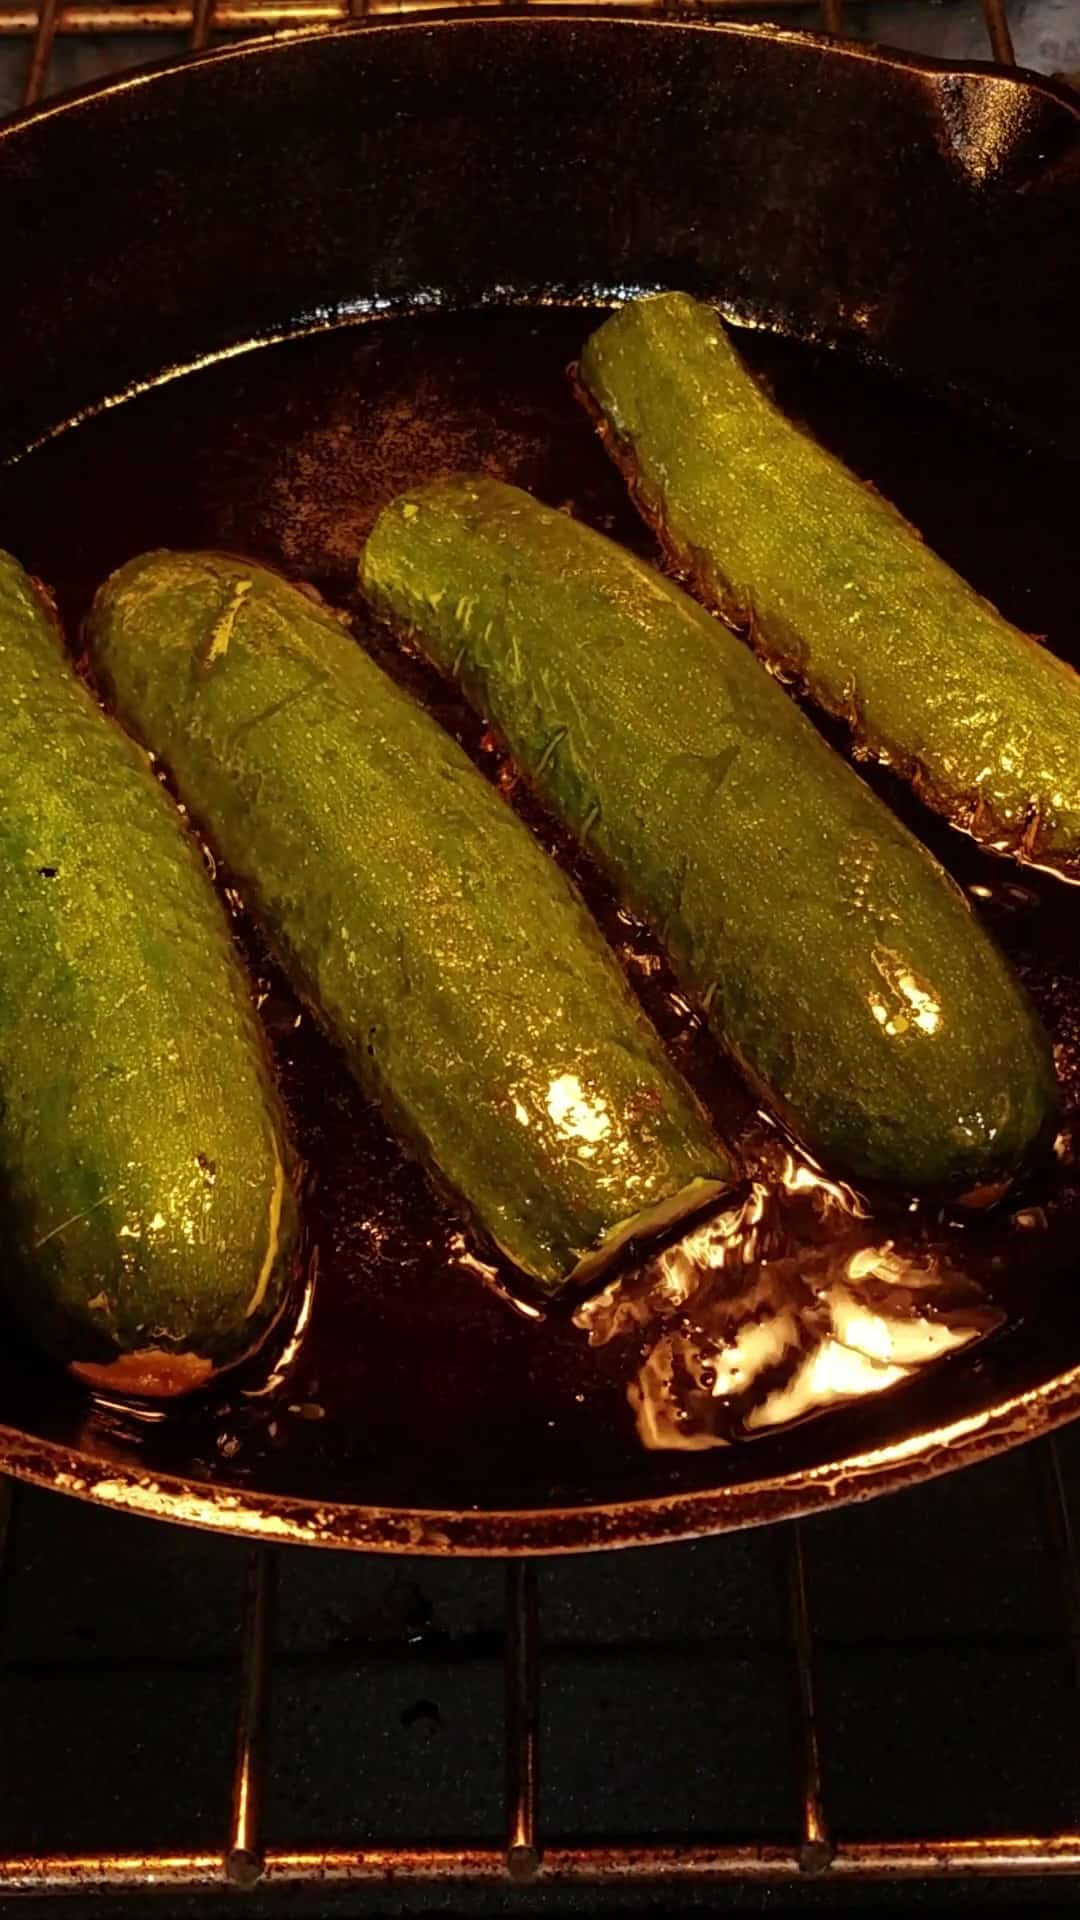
[(148, 1222), (834, 956), (452, 960), (833, 587)]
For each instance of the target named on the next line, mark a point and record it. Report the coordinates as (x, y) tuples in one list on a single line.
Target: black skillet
[(906, 238)]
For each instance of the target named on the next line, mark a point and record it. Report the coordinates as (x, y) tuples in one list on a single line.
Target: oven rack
[(202, 21), (524, 1855)]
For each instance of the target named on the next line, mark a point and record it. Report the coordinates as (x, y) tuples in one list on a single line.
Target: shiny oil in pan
[(414, 1358)]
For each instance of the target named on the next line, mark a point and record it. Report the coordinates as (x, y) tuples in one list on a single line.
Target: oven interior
[(834, 1712)]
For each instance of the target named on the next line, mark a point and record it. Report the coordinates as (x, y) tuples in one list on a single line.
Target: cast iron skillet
[(423, 179)]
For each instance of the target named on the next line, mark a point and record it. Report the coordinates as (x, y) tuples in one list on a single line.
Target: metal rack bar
[(244, 1853), (1007, 1857), (108, 17), (997, 28), (815, 1850), (201, 17), (45, 23), (522, 1852)]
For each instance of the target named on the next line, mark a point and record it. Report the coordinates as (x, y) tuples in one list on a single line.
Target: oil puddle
[(789, 1302)]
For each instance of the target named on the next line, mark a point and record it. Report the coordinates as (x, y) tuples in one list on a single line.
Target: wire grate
[(526, 1855)]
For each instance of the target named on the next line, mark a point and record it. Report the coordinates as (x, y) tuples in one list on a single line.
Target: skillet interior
[(530, 158)]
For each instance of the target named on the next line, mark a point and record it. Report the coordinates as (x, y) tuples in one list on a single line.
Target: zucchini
[(458, 969), (147, 1209), (834, 957), (833, 588)]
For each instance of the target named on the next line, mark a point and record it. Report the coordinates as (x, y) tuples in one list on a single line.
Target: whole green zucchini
[(835, 958), (834, 588), (147, 1216), (457, 967)]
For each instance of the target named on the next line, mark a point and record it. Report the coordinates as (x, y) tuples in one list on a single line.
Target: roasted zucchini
[(834, 956), (455, 964), (834, 588), (147, 1210)]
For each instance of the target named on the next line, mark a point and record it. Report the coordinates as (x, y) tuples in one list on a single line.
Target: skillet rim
[(466, 17)]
